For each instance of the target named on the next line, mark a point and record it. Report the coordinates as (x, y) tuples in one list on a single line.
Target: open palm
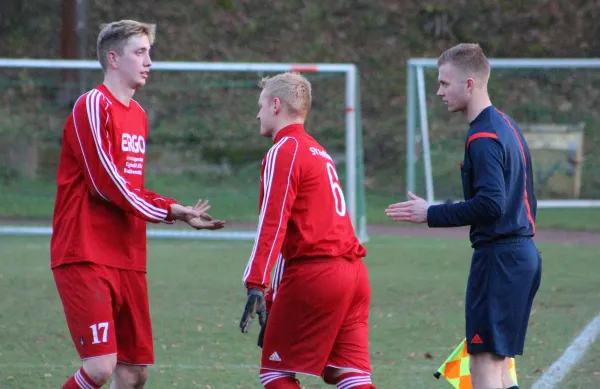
[(204, 221)]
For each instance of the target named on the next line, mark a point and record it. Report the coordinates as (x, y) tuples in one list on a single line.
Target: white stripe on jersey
[(267, 183), (263, 207), (83, 152), (144, 207), (268, 174), (279, 267)]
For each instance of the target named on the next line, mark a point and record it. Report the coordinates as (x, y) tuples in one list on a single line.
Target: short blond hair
[(467, 57), (114, 36), (291, 88)]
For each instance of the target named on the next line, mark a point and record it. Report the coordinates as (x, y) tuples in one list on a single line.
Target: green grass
[(197, 298), (569, 219), (235, 198), (587, 373)]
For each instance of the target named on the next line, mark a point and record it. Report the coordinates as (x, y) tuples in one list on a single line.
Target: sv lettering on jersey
[(321, 153), (133, 143)]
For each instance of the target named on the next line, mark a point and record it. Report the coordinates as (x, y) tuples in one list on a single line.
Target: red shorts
[(319, 318), (107, 311)]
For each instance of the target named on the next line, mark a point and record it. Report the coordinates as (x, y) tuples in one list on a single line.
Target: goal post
[(550, 136), (353, 155)]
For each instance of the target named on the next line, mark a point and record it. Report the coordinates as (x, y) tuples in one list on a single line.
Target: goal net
[(554, 101), (203, 141)]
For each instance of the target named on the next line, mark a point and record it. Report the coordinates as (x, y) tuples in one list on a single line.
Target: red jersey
[(101, 204), (302, 208)]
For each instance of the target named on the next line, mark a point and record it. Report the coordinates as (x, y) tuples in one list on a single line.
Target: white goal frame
[(417, 107), (352, 127)]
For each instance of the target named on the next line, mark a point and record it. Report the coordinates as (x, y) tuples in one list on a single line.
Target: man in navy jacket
[(500, 206)]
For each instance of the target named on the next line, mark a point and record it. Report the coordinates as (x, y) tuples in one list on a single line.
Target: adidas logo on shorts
[(275, 357), (476, 339)]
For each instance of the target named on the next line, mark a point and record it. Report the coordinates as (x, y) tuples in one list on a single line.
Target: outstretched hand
[(196, 216), (413, 210), (199, 223), (204, 221), (181, 212)]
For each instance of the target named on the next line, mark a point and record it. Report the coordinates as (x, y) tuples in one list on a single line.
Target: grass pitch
[(197, 299)]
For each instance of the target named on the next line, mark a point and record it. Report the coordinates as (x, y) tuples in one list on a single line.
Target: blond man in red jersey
[(98, 246), (318, 301)]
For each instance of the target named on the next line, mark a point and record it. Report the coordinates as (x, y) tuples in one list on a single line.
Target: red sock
[(272, 379), (80, 381), (354, 380)]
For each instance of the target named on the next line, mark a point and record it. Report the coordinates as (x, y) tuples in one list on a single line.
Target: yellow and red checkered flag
[(456, 368)]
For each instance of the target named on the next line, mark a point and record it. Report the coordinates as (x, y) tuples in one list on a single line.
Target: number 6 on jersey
[(336, 189)]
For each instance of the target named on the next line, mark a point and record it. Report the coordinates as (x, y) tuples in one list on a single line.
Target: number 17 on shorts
[(101, 328), (96, 340)]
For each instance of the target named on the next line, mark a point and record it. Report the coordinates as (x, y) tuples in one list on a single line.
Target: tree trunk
[(68, 50)]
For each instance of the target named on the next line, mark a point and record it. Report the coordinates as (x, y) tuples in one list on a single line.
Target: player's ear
[(112, 57), (276, 105), (470, 84)]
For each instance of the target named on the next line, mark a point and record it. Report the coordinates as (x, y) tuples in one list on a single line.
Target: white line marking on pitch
[(563, 365)]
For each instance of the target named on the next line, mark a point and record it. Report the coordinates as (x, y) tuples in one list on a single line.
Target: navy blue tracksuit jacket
[(497, 182)]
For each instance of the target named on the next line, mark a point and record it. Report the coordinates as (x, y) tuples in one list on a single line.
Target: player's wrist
[(435, 216), (258, 287), (170, 216), (176, 212)]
